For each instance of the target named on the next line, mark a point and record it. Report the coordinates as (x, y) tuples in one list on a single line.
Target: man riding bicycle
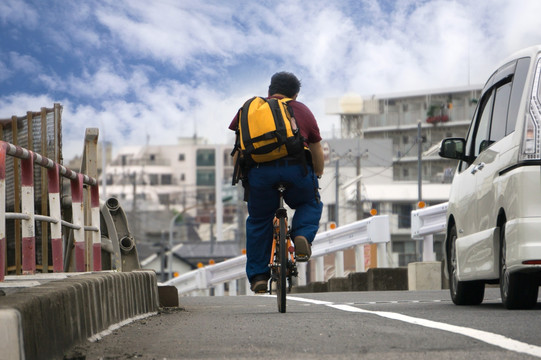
[(302, 192)]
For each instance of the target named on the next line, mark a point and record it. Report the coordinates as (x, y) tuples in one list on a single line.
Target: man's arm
[(317, 157)]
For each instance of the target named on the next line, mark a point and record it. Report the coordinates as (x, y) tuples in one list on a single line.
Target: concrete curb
[(376, 279), (44, 321)]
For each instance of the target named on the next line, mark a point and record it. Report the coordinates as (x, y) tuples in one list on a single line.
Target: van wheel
[(462, 292), (518, 291)]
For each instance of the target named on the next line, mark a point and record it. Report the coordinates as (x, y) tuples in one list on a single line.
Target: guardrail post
[(78, 220), (55, 213), (383, 262), (320, 268), (219, 290), (92, 206), (359, 258), (339, 264), (95, 222), (428, 248), (301, 268), (246, 286), (233, 288), (28, 223)]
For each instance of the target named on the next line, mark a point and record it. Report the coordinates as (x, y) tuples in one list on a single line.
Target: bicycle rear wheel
[(281, 284)]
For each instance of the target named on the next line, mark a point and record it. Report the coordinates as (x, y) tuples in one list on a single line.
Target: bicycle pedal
[(302, 258)]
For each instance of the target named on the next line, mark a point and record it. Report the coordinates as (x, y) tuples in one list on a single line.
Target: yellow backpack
[(267, 131)]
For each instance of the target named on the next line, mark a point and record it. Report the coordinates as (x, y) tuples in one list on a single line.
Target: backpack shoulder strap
[(244, 126)]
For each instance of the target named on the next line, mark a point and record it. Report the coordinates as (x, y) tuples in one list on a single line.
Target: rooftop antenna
[(194, 130)]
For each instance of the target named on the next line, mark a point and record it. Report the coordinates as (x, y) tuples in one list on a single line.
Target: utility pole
[(337, 189), (134, 220), (419, 176), (358, 202), (419, 162)]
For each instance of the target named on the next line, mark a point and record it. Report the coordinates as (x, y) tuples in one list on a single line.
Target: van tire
[(462, 292), (518, 290)]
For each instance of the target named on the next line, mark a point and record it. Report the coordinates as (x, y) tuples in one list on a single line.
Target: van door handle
[(478, 167)]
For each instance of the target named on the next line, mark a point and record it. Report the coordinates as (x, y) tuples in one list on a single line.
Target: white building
[(170, 191), (394, 189)]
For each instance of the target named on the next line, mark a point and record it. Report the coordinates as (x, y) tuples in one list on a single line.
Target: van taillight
[(531, 137), (530, 142), (531, 262)]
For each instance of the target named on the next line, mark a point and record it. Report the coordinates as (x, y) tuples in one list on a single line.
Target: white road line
[(485, 336)]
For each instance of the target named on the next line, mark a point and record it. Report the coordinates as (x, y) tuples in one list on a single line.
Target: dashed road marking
[(485, 336)]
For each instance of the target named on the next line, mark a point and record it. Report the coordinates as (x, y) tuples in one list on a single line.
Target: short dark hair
[(284, 83)]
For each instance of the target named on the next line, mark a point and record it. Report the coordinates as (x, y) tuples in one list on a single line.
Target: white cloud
[(104, 83), (16, 12), (19, 104), (174, 68), (177, 33), (5, 72), (24, 63)]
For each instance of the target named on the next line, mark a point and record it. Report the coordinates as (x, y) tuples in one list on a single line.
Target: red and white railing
[(28, 217)]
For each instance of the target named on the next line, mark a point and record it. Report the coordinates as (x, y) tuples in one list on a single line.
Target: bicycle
[(282, 262)]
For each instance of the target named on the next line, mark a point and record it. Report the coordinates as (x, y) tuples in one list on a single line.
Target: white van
[(494, 213)]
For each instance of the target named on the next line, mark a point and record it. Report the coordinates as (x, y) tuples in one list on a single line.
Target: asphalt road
[(352, 325)]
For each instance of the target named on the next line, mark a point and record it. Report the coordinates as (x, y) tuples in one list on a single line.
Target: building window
[(153, 178), (405, 173), (164, 199), (405, 140), (404, 215), (331, 212), (205, 177), (205, 157), (181, 157), (152, 157), (167, 179), (182, 177)]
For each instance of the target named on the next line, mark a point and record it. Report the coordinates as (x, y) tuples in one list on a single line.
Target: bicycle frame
[(282, 271)]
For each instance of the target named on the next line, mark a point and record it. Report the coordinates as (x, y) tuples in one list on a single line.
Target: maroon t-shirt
[(306, 121)]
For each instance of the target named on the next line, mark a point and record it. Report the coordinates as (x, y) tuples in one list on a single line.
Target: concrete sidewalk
[(42, 316)]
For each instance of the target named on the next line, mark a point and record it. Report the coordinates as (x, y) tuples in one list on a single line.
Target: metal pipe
[(126, 244), (112, 204)]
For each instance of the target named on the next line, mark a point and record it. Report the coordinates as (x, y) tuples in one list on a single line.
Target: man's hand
[(317, 158)]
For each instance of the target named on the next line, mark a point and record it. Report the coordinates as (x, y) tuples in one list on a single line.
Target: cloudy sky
[(153, 71)]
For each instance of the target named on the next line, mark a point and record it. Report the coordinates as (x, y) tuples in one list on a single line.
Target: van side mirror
[(453, 148)]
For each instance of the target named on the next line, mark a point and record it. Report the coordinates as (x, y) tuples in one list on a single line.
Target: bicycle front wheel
[(281, 287)]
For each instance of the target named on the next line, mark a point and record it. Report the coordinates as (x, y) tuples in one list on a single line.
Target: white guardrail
[(374, 230), (425, 223)]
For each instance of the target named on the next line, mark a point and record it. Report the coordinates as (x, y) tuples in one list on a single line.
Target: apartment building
[(170, 191), (405, 120)]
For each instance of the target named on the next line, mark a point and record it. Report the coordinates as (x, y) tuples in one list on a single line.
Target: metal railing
[(427, 222), (24, 211), (374, 230)]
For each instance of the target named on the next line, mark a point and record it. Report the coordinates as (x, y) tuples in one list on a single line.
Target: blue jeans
[(302, 195)]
